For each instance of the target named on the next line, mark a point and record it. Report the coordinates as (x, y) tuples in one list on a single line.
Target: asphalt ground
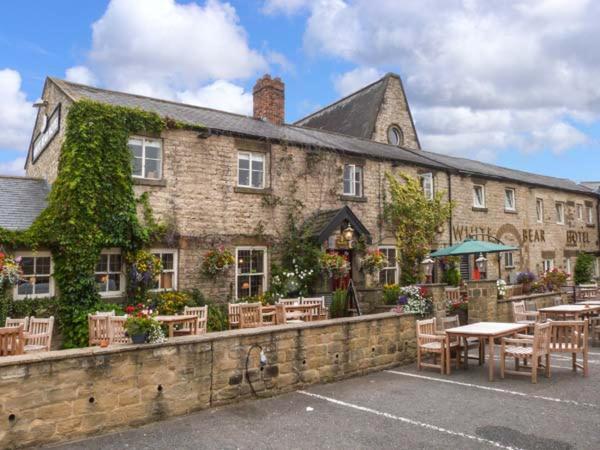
[(397, 408)]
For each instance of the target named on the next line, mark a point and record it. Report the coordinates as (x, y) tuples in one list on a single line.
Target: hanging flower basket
[(216, 261), (373, 261), (10, 270), (144, 268), (334, 265)]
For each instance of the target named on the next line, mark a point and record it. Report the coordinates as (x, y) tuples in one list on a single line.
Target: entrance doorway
[(342, 282)]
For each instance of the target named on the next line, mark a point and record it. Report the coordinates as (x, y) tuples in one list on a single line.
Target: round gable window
[(395, 136)]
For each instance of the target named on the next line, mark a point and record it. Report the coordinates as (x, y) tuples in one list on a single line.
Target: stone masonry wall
[(63, 395), (505, 306)]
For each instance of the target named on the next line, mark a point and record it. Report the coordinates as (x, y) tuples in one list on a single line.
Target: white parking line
[(493, 389), (410, 421)]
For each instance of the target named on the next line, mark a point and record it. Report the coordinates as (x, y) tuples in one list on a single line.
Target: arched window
[(395, 135)]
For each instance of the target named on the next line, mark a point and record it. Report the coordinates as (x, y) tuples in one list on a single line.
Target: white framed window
[(579, 209), (395, 136), (353, 180), (539, 210), (37, 280), (110, 280), (427, 185), (479, 196), (250, 271), (589, 214), (147, 157), (389, 273), (560, 213), (251, 170), (510, 201), (509, 260), (167, 279), (548, 265), (567, 266)]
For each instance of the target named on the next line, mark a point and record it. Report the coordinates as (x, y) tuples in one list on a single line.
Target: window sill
[(149, 182), (352, 198), (590, 225), (111, 294), (479, 209), (248, 190), (510, 211)]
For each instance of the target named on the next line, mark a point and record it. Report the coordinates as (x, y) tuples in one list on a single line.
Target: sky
[(514, 83)]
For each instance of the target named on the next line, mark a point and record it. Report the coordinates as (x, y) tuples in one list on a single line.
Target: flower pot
[(138, 338), (104, 343)]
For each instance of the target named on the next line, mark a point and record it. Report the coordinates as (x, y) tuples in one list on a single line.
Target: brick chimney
[(269, 99)]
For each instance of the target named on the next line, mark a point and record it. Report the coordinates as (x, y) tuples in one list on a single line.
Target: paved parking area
[(399, 408)]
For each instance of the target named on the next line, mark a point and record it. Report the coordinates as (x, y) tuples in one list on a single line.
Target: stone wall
[(483, 297), (505, 306), (62, 395)]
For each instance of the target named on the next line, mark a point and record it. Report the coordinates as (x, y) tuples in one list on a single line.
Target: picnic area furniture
[(453, 294), (251, 315), (453, 322), (11, 341), (189, 320), (233, 312), (39, 336), (13, 322), (571, 336), (567, 312), (323, 312), (117, 332), (589, 302), (595, 329), (289, 301), (522, 315), (429, 340), (98, 329), (486, 331), (527, 348), (201, 312)]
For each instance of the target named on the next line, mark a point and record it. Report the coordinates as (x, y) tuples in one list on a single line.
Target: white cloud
[(221, 95), (355, 79), (287, 7), (482, 76), (16, 113), (14, 167), (81, 75)]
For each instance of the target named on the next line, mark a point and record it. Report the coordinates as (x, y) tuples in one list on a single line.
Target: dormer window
[(395, 135)]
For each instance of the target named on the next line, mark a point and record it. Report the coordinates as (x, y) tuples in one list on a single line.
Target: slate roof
[(593, 185), (324, 223), (21, 201), (354, 115), (220, 121)]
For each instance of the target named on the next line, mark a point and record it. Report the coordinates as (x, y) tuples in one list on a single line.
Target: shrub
[(391, 292), (338, 304), (170, 302), (584, 269), (218, 315), (554, 279)]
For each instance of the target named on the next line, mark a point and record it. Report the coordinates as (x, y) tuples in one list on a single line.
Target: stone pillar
[(438, 297), (483, 300)]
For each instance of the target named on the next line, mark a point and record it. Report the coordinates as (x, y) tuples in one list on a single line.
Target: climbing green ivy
[(91, 205)]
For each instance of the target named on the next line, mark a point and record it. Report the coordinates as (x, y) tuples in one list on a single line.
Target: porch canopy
[(472, 246), (327, 223)]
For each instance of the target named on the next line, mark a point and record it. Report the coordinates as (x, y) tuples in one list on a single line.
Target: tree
[(415, 220), (584, 268)]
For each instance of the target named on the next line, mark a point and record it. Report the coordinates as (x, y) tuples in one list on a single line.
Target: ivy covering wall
[(91, 206)]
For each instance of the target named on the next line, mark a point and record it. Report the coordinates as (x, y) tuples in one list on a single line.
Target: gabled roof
[(324, 223), (593, 185), (224, 122), (21, 201), (354, 115)]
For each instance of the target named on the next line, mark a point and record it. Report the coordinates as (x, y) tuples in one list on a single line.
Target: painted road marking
[(409, 421), (493, 389)]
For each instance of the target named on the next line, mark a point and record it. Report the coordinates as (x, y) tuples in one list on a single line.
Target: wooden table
[(171, 321), (485, 331), (576, 310), (589, 302)]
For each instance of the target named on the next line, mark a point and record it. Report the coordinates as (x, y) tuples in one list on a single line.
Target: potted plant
[(501, 285), (144, 328), (415, 300), (10, 270), (458, 308), (373, 261), (391, 293), (526, 279), (334, 264), (216, 261)]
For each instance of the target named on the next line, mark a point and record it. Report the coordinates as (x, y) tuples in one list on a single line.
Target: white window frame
[(40, 254), (427, 191), (265, 268), (354, 169), (251, 156), (507, 207), (547, 265), (175, 271), (160, 160), (589, 215), (395, 267), (579, 211), (121, 291), (398, 136), (509, 261), (475, 200), (567, 265), (539, 210), (560, 218)]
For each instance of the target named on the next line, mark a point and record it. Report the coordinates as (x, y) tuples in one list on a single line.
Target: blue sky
[(493, 80)]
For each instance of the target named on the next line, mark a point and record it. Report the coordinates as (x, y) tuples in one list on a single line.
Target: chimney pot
[(269, 99)]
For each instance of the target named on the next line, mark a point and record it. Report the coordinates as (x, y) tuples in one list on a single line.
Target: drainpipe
[(450, 199)]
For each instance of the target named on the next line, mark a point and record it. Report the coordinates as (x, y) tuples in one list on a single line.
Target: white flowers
[(501, 285)]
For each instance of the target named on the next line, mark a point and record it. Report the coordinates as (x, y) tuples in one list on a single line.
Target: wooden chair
[(324, 313), (316, 311), (11, 341), (280, 316), (105, 313), (116, 328), (595, 330), (251, 315), (521, 315), (530, 305), (453, 322), (429, 341), (12, 322), (453, 294), (571, 336), (39, 336), (199, 311), (527, 348), (233, 311), (289, 301), (98, 329)]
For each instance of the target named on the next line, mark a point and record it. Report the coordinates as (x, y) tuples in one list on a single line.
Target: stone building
[(231, 185)]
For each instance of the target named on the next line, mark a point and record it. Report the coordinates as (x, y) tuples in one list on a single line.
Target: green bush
[(391, 292), (584, 269), (39, 307), (218, 315), (338, 304)]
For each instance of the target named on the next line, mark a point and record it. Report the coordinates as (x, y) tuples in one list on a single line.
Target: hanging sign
[(50, 128)]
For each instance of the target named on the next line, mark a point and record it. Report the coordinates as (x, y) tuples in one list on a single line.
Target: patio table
[(575, 310), (171, 321), (589, 302), (485, 331)]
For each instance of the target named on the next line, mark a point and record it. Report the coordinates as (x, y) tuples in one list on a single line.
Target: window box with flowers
[(216, 262)]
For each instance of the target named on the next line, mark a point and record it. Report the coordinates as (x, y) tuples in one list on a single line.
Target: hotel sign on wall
[(50, 127), (527, 235)]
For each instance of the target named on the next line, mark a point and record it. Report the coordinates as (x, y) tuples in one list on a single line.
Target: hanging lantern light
[(348, 233), (481, 263), (427, 264)]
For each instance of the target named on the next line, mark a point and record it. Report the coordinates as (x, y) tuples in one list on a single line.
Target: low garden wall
[(505, 306), (62, 395)]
